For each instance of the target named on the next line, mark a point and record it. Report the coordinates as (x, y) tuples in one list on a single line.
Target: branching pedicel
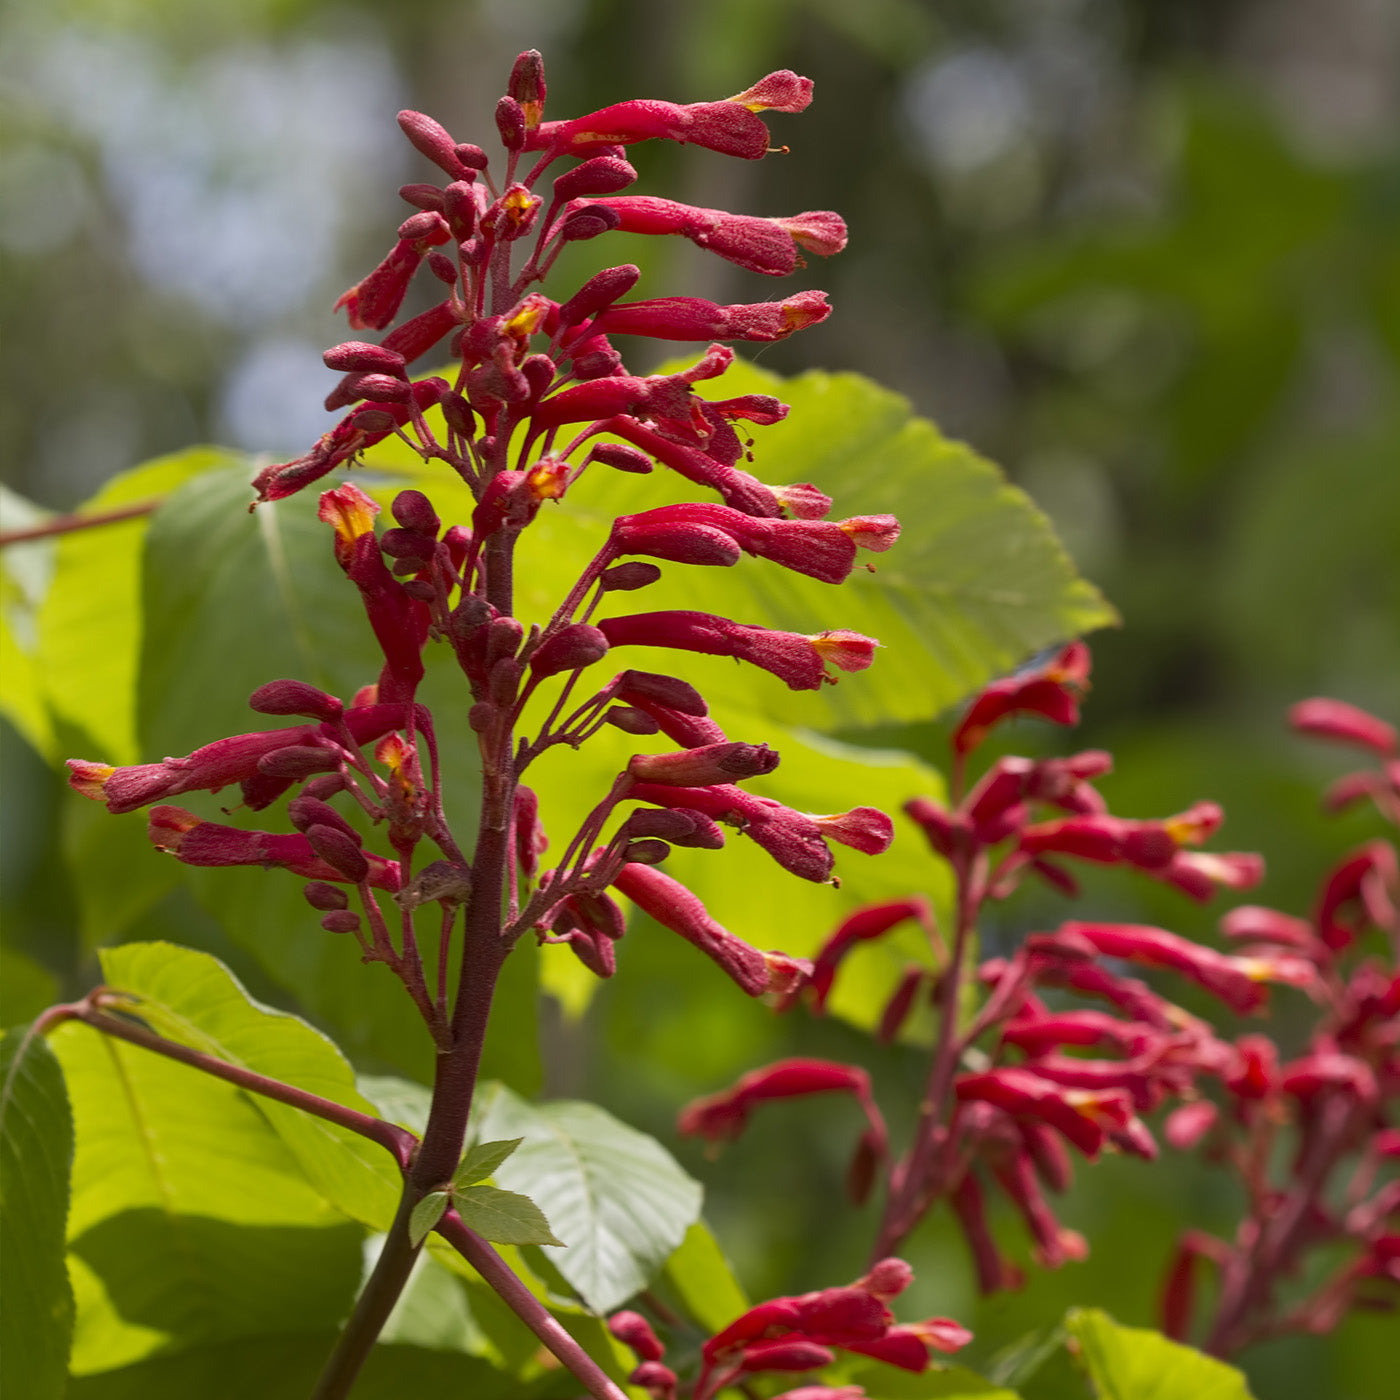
[(539, 395)]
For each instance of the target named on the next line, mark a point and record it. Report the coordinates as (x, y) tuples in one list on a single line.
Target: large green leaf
[(233, 599), (286, 1368), (191, 997), (613, 1195), (1135, 1363), (36, 1157), (90, 623), (701, 1275), (191, 1222)]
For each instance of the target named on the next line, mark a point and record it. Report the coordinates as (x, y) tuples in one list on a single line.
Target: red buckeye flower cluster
[(1314, 1138), (792, 1336), (1022, 1082), (535, 395)]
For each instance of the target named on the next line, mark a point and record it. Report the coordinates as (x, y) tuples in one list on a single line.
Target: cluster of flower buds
[(1338, 1101), (1024, 1082), (536, 393), (798, 1335)]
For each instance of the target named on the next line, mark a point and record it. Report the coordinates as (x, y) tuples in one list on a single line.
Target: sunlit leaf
[(1135, 1363), (36, 1157)]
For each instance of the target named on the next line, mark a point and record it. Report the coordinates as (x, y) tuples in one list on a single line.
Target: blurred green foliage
[(1138, 253)]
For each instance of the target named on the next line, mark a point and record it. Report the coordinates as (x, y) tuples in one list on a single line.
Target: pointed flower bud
[(571, 649), (287, 697), (527, 86)]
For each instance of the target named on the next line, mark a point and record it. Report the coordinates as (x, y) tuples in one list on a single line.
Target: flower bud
[(511, 123), (705, 766), (361, 357), (601, 290), (327, 898), (339, 851), (601, 175), (624, 578), (679, 825), (527, 86), (298, 761), (570, 649), (631, 720), (1346, 724), (422, 196), (621, 458), (287, 697), (432, 140), (503, 681), (472, 157), (633, 1330), (588, 223), (341, 921), (306, 812), (414, 511), (647, 852)]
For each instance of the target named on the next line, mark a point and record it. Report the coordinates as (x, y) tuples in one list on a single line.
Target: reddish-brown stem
[(67, 524), (398, 1142), (527, 1307), (919, 1177)]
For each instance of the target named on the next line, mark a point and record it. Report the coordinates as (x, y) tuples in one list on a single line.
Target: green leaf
[(233, 599), (425, 1215), (36, 1158), (503, 1217), (191, 1222), (90, 623), (400, 1101), (882, 1382), (193, 998), (700, 1273), (1135, 1363), (482, 1160), (616, 1197), (286, 1367)]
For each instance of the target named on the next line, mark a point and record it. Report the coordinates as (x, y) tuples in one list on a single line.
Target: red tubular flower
[(759, 244), (871, 922), (1037, 1034), (1052, 691), (821, 549), (674, 907), (373, 302), (994, 1272), (692, 318), (794, 839), (1346, 724), (196, 842), (400, 622), (702, 767), (633, 1330), (798, 660), (353, 434), (1359, 891), (1200, 873), (1054, 1244), (1082, 1116), (724, 1115), (223, 762), (1187, 1125), (1234, 980)]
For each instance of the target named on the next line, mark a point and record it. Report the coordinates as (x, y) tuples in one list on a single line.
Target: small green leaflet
[(503, 1217), (482, 1160), (425, 1215)]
